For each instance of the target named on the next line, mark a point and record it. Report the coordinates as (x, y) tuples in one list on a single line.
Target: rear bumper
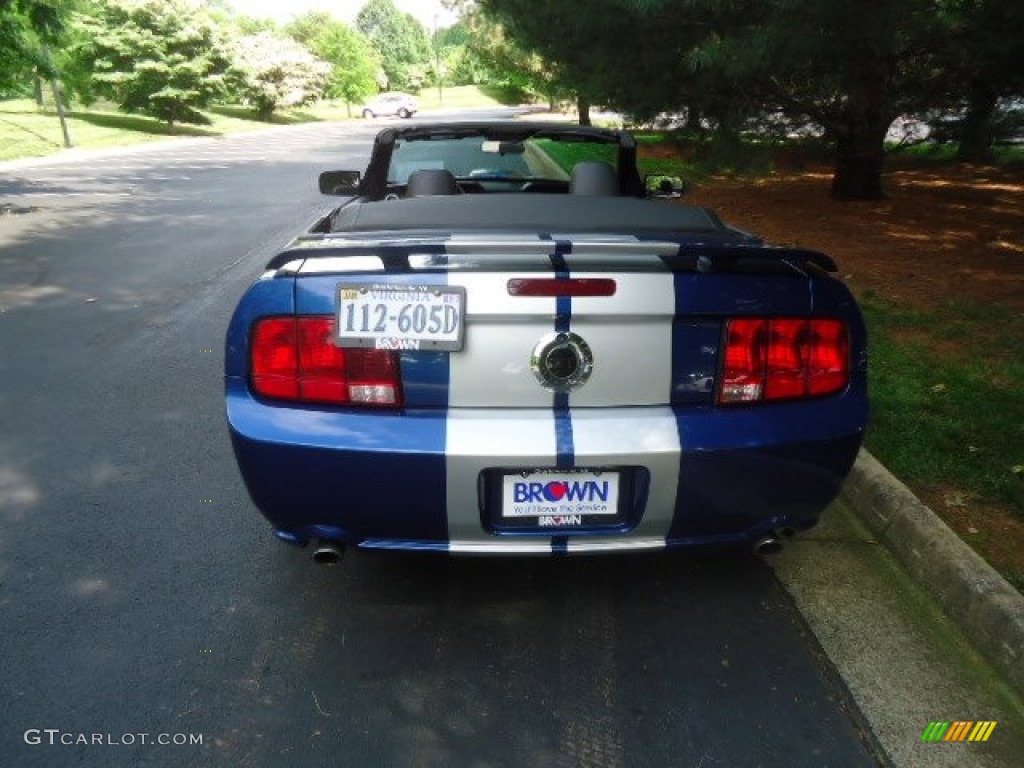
[(415, 480)]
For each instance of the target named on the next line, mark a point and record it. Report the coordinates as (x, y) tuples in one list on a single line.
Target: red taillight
[(275, 357), (783, 358), (828, 369), (786, 374), (745, 348), (295, 358)]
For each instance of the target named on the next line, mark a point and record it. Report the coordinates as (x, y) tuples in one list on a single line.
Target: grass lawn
[(29, 131), (651, 161), (947, 384), (459, 97)]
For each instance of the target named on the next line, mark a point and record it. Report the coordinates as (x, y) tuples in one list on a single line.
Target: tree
[(26, 28), (626, 54), (400, 40), (353, 61), (164, 58), (272, 71), (850, 67), (985, 55), (492, 54), (549, 48)]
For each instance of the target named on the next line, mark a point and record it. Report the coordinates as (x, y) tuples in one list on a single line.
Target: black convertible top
[(526, 213)]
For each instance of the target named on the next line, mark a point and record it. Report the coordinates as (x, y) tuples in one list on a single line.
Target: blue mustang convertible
[(492, 348)]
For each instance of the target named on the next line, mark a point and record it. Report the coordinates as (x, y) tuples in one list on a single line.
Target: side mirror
[(657, 185), (343, 183)]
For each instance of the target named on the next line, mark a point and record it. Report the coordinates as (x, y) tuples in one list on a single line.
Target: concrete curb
[(537, 158), (970, 591)]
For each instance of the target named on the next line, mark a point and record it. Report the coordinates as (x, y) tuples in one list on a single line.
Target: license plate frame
[(546, 508), (400, 317)]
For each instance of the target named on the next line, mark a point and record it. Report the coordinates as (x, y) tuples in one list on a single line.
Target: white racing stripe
[(606, 437), (499, 415), (598, 545), (630, 336), (493, 370), (499, 547), (478, 439)]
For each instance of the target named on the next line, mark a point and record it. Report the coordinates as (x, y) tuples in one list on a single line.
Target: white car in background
[(390, 104)]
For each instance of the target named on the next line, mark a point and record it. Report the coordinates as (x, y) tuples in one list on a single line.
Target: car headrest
[(431, 181), (593, 178)]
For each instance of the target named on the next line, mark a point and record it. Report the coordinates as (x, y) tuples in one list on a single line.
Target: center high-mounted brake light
[(783, 358), (295, 358), (562, 286)]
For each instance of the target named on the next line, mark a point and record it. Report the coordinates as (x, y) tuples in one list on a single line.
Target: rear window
[(490, 160)]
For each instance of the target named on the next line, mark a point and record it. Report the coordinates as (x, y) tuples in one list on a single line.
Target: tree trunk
[(859, 129), (693, 120), (59, 101), (976, 132), (583, 108), (858, 172)]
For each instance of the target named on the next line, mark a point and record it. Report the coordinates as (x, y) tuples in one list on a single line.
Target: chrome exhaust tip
[(328, 552), (767, 545)]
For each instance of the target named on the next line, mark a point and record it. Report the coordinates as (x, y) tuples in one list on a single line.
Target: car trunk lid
[(534, 333)]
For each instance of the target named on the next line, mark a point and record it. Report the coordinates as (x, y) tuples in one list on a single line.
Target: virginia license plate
[(561, 496), (427, 317)]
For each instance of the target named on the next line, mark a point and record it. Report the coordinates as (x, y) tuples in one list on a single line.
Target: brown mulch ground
[(954, 231)]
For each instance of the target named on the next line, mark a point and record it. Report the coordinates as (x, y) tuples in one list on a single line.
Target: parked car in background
[(391, 105), (507, 341)]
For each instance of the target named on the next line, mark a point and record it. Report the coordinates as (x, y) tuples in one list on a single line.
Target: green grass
[(29, 131), (459, 97), (25, 131), (938, 154), (694, 161), (947, 394), (568, 153)]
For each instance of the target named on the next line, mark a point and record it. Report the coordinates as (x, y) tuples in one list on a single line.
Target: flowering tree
[(355, 64), (269, 72)]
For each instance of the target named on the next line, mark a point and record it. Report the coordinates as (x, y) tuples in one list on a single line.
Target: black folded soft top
[(526, 212)]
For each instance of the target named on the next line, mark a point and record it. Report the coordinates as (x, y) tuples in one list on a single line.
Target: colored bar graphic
[(982, 731), (958, 730)]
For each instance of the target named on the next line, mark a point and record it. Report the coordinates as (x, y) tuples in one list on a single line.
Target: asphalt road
[(141, 593)]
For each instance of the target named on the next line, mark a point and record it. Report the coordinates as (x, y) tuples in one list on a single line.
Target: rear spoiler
[(407, 252)]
